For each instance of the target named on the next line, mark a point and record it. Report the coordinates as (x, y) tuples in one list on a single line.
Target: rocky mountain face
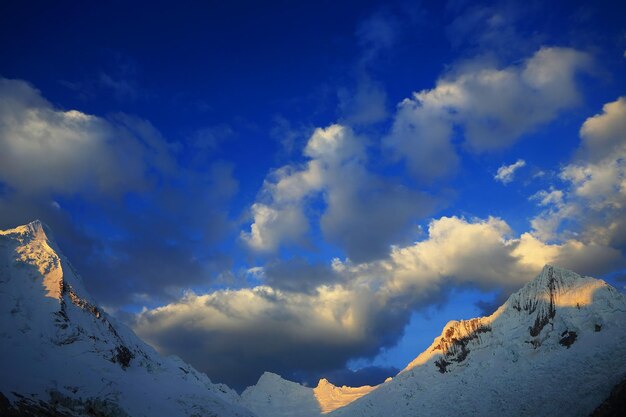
[(62, 355), (556, 347)]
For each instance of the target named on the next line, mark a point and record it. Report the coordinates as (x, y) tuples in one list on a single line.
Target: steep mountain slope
[(60, 354), (556, 347)]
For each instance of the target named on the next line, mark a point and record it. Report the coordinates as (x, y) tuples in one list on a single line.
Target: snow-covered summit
[(559, 343), (530, 316), (37, 251), (61, 354)]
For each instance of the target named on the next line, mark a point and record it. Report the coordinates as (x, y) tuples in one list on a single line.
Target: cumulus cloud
[(593, 200), (493, 106), (603, 133), (275, 226), (362, 212), (363, 308), (506, 173), (46, 149), (296, 275)]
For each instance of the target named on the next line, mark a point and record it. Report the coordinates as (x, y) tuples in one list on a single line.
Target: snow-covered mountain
[(62, 355), (556, 347)]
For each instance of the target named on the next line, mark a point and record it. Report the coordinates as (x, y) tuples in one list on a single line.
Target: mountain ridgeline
[(555, 347)]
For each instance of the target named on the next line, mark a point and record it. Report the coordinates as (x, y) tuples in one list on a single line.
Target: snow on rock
[(331, 397), (556, 346), (60, 354)]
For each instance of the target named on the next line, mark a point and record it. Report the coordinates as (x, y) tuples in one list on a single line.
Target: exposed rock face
[(62, 355), (455, 340)]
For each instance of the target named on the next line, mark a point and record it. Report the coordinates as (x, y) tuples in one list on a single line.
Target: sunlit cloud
[(493, 105), (594, 196), (357, 202)]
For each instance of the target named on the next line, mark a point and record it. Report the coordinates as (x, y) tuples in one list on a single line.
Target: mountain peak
[(36, 226), (555, 298), (560, 337), (59, 347), (555, 287), (35, 230)]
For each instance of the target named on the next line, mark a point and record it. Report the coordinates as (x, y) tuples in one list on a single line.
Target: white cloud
[(46, 149), (282, 218), (506, 173), (594, 196), (273, 226), (357, 203), (494, 106), (604, 132)]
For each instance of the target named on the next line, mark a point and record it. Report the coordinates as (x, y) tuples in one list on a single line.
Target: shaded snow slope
[(556, 347), (61, 354)]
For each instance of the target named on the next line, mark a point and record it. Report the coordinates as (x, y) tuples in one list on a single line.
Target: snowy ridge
[(275, 396), (63, 355)]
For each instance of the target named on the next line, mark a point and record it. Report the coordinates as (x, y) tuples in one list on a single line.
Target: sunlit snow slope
[(60, 354)]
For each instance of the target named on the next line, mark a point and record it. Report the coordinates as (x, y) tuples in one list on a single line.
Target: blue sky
[(314, 189)]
